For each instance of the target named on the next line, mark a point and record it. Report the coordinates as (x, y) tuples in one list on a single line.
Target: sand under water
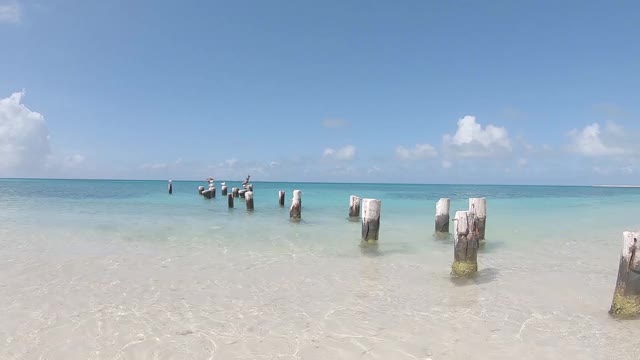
[(122, 270)]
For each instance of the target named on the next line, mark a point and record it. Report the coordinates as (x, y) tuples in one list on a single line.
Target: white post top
[(462, 222), (443, 206), (297, 194), (371, 208), (248, 195), (631, 241), (478, 206)]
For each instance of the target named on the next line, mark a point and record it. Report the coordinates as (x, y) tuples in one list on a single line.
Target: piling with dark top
[(295, 211), (235, 191), (626, 296), (442, 215), (354, 206), (170, 187), (248, 196), (465, 246), (370, 219), (281, 198), (478, 206), (230, 200)]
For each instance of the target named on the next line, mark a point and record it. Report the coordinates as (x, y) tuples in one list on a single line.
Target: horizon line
[(321, 182)]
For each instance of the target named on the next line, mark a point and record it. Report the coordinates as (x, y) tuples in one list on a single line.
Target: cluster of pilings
[(468, 234)]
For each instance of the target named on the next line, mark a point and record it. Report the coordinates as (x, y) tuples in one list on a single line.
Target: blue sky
[(415, 91)]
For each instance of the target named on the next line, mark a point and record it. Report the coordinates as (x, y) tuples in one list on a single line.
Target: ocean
[(97, 269)]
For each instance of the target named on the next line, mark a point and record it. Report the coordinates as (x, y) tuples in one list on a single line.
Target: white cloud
[(10, 12), (420, 151), (522, 162), (471, 140), (346, 153), (593, 141), (231, 162), (73, 160), (162, 165), (446, 164), (24, 137), (374, 170), (334, 123)]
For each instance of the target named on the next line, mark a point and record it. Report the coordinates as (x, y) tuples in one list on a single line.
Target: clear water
[(122, 270)]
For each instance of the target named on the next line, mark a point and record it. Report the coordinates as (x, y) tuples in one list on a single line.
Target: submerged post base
[(625, 306), (463, 268)]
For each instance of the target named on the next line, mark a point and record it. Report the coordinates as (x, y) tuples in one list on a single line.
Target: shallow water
[(122, 270)]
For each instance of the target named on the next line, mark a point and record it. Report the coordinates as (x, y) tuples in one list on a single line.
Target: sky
[(497, 92)]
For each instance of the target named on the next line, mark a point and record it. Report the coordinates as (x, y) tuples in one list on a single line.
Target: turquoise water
[(121, 269)]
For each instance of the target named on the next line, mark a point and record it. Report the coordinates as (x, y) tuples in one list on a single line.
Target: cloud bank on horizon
[(25, 150)]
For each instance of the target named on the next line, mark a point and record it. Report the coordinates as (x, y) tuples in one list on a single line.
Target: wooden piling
[(354, 206), (208, 194), (479, 207), (223, 189), (626, 296), (465, 248), (442, 215), (235, 192), (370, 219), (295, 211), (230, 200), (170, 187), (250, 187), (281, 198), (242, 192), (200, 189), (248, 196)]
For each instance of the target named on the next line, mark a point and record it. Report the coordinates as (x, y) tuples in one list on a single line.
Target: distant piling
[(235, 192), (281, 198), (370, 219), (478, 206), (465, 248), (295, 211), (230, 200), (200, 189), (223, 189), (354, 206), (442, 215), (626, 296), (170, 187), (248, 196)]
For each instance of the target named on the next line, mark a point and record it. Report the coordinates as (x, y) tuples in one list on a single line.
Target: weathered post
[(242, 192), (626, 296), (170, 187), (200, 189), (208, 194), (230, 200), (354, 206), (465, 246), (248, 196), (235, 192), (295, 211), (442, 215), (370, 219), (478, 206), (281, 198), (250, 187), (223, 189)]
